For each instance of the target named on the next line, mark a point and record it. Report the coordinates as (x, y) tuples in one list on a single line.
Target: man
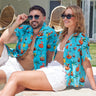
[(35, 43)]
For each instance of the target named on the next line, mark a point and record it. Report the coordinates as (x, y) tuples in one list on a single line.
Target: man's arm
[(9, 35)]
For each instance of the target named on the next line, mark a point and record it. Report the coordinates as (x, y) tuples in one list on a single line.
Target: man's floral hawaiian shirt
[(76, 51), (45, 40)]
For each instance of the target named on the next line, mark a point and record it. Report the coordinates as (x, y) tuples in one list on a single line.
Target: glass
[(31, 17), (69, 16)]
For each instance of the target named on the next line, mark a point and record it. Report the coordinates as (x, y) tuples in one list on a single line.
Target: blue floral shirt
[(76, 51), (45, 40)]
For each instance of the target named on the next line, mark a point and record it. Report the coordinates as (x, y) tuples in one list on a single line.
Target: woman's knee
[(14, 76)]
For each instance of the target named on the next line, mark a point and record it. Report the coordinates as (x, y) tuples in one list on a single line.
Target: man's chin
[(35, 27)]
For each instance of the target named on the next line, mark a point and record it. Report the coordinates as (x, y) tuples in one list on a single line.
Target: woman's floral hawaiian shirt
[(45, 40), (76, 51)]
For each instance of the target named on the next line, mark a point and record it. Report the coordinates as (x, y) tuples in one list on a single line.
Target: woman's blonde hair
[(80, 22)]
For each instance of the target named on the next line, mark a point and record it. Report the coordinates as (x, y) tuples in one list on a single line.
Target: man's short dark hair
[(36, 7)]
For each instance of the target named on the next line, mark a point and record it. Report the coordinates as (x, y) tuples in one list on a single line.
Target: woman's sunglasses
[(30, 17), (69, 16)]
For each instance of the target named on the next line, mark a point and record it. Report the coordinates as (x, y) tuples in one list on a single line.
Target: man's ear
[(44, 18)]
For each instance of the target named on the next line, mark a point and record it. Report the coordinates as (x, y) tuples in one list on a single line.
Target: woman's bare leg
[(19, 89), (35, 80)]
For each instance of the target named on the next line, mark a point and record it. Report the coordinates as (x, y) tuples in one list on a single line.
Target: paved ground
[(87, 91)]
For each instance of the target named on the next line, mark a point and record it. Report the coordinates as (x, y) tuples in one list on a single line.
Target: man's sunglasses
[(69, 16), (30, 17)]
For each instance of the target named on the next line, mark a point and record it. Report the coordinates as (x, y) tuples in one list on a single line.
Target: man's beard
[(37, 25)]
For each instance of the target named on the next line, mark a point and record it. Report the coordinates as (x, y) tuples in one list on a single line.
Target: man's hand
[(21, 18), (49, 57)]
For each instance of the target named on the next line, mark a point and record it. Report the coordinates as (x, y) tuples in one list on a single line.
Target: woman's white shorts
[(55, 74)]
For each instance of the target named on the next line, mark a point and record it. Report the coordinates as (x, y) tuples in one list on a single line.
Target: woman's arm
[(88, 69)]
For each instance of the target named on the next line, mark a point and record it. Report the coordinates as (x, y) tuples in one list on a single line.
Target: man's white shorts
[(9, 64)]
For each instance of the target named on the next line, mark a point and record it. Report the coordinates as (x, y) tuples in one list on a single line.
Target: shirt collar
[(44, 24), (41, 30)]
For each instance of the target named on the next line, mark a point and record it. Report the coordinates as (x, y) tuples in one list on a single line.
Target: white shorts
[(9, 64), (4, 56), (55, 74)]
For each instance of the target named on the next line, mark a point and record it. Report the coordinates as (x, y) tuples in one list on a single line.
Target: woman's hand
[(88, 69)]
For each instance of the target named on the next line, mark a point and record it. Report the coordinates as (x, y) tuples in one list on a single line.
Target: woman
[(71, 61)]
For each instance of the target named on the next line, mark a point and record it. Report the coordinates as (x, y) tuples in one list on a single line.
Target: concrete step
[(67, 92)]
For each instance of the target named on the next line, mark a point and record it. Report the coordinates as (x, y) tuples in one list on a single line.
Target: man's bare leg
[(35, 80), (2, 77)]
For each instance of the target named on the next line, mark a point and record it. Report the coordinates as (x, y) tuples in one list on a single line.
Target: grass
[(12, 45), (92, 52)]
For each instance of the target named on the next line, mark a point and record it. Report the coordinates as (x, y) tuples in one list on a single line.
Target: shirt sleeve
[(20, 30), (85, 54), (17, 31), (52, 40)]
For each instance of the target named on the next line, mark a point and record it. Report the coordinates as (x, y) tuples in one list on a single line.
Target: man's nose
[(33, 19)]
